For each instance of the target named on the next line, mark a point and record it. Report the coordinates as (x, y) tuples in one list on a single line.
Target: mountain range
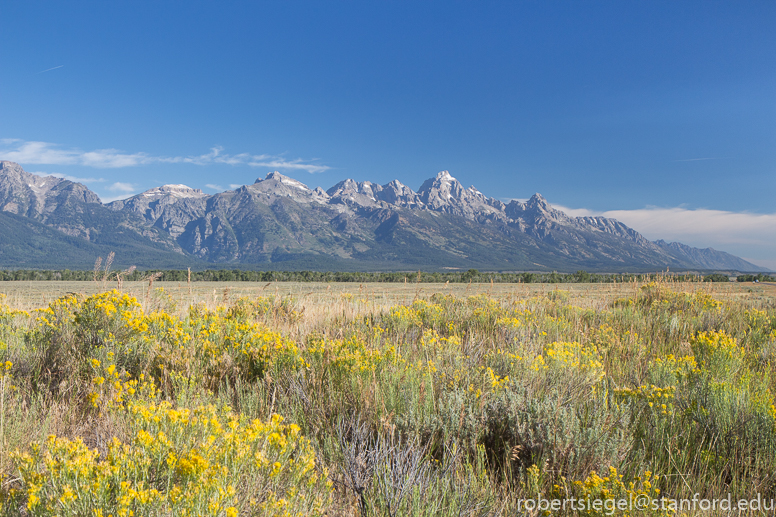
[(281, 223)]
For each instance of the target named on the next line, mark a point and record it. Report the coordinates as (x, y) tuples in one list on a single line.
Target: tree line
[(471, 275), (756, 278)]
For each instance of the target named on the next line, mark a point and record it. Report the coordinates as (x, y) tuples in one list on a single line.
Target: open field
[(31, 295), (383, 399)]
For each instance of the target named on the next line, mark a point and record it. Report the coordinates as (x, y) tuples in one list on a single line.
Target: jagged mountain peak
[(178, 191), (166, 194), (397, 193), (35, 196), (365, 222), (351, 192), (285, 180), (441, 178), (537, 203), (350, 185), (396, 184), (444, 189), (444, 176), (538, 211), (13, 175), (437, 191), (537, 199), (444, 193), (169, 207), (13, 172), (8, 169), (276, 185), (343, 186)]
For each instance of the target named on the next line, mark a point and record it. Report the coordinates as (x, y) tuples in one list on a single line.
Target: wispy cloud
[(214, 187), (121, 190), (44, 153), (71, 178), (748, 235), (216, 155), (126, 188), (32, 152), (49, 69), (234, 186)]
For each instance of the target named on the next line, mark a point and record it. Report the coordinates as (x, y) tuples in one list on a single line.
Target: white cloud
[(110, 199), (121, 189), (253, 160), (293, 164), (50, 154), (235, 186), (126, 188), (71, 178), (747, 235), (30, 152), (214, 187)]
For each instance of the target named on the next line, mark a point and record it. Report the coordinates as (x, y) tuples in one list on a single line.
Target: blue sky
[(661, 113)]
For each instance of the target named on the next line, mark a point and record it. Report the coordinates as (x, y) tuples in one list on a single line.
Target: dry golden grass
[(327, 297), (323, 304), (351, 363)]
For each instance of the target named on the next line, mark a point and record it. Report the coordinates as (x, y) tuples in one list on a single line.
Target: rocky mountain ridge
[(352, 225), (36, 196)]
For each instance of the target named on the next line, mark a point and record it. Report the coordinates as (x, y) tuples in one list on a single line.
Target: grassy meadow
[(367, 400)]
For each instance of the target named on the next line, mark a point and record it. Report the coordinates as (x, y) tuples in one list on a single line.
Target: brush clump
[(447, 404)]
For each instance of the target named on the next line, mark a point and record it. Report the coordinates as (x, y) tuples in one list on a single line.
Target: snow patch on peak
[(174, 190), (285, 180), (294, 183)]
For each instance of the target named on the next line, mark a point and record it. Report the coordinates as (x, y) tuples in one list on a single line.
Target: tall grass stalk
[(459, 402)]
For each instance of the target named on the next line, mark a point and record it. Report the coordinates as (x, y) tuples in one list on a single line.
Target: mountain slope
[(280, 222), (26, 243), (707, 258), (63, 224), (38, 197)]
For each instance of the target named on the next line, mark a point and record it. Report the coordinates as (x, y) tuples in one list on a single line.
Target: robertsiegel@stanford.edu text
[(643, 502)]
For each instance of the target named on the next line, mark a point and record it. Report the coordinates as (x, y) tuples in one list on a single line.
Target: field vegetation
[(466, 276), (297, 400)]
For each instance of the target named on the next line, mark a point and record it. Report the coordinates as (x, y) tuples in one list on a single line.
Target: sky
[(661, 114)]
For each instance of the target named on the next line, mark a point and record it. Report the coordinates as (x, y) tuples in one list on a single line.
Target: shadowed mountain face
[(353, 225)]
